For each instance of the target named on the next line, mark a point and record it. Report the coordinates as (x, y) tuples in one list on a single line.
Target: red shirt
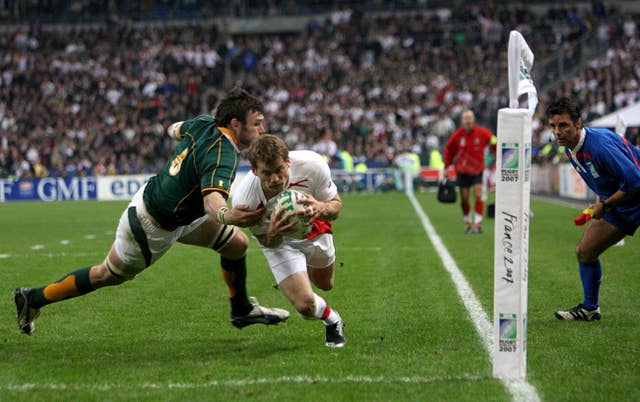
[(466, 149)]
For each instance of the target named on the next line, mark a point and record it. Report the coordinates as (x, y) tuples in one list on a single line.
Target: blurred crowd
[(95, 100)]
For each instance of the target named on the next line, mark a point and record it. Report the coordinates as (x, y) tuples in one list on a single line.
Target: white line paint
[(90, 236), (520, 390), (64, 242), (37, 247), (50, 255), (298, 379)]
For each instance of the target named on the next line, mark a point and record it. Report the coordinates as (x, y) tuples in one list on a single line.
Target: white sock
[(467, 219), (324, 312)]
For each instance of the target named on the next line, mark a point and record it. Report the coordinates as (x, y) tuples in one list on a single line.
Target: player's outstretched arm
[(215, 205)]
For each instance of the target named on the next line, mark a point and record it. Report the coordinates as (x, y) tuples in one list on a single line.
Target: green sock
[(73, 284), (234, 273)]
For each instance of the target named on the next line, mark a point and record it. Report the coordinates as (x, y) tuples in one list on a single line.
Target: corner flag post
[(511, 241)]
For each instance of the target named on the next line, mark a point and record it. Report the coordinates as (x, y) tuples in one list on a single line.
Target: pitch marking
[(49, 255), (299, 379), (520, 390), (37, 247)]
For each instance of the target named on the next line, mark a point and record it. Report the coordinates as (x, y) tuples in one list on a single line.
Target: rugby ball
[(288, 200)]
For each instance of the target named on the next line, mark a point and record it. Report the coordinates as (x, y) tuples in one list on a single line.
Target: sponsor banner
[(511, 242), (363, 181), (120, 187), (48, 189)]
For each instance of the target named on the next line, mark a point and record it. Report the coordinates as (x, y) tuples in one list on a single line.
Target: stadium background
[(86, 87)]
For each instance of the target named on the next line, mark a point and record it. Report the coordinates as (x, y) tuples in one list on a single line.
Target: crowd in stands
[(95, 100)]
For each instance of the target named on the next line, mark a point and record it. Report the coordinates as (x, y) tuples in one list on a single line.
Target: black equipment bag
[(446, 191)]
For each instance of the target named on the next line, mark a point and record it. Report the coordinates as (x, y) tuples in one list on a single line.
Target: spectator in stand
[(358, 76), (325, 145)]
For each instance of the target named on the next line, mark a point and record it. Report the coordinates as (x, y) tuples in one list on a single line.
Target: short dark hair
[(267, 148), (564, 106), (236, 105)]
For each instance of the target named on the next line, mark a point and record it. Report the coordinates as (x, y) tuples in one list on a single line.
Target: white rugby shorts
[(136, 257), (296, 255)]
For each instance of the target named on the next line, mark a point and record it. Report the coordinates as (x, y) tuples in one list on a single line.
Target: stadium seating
[(93, 99)]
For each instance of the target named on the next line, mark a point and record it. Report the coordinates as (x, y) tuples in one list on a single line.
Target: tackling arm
[(215, 205), (174, 131)]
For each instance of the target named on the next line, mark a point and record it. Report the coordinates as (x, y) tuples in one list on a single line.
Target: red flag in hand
[(584, 217)]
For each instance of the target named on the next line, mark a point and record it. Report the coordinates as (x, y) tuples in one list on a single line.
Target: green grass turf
[(166, 335)]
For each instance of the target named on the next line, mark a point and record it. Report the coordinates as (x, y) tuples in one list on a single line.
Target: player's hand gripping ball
[(288, 200)]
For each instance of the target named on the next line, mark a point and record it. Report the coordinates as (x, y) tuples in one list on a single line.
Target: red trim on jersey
[(584, 155), (626, 144), (298, 183), (320, 226)]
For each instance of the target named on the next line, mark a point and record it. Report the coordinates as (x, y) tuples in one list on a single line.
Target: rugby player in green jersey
[(185, 202)]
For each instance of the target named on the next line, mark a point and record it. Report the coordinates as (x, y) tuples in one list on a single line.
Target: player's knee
[(243, 242), (585, 254), (231, 242), (325, 284), (104, 275)]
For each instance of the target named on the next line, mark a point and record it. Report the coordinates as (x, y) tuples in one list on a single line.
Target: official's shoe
[(334, 336), (26, 314), (579, 313), (478, 229), (260, 315)]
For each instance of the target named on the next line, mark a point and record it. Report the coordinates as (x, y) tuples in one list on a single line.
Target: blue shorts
[(625, 221)]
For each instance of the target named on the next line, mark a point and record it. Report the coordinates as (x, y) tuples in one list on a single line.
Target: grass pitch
[(167, 336)]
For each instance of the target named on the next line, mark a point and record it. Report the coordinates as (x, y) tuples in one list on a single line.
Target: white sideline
[(520, 390), (299, 379)]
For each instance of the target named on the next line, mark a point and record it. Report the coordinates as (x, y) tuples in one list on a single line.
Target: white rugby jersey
[(309, 173)]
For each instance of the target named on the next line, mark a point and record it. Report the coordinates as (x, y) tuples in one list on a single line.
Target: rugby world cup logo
[(510, 162), (508, 332)]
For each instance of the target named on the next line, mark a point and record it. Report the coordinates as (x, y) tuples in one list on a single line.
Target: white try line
[(298, 379), (51, 255), (520, 390)]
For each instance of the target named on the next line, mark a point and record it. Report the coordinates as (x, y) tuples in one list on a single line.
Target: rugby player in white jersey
[(295, 263)]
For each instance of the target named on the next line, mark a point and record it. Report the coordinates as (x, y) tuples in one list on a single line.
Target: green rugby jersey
[(204, 161)]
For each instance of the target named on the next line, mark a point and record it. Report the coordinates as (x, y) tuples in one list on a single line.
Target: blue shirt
[(607, 162)]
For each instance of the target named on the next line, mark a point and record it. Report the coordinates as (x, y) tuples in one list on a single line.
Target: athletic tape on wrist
[(222, 215)]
